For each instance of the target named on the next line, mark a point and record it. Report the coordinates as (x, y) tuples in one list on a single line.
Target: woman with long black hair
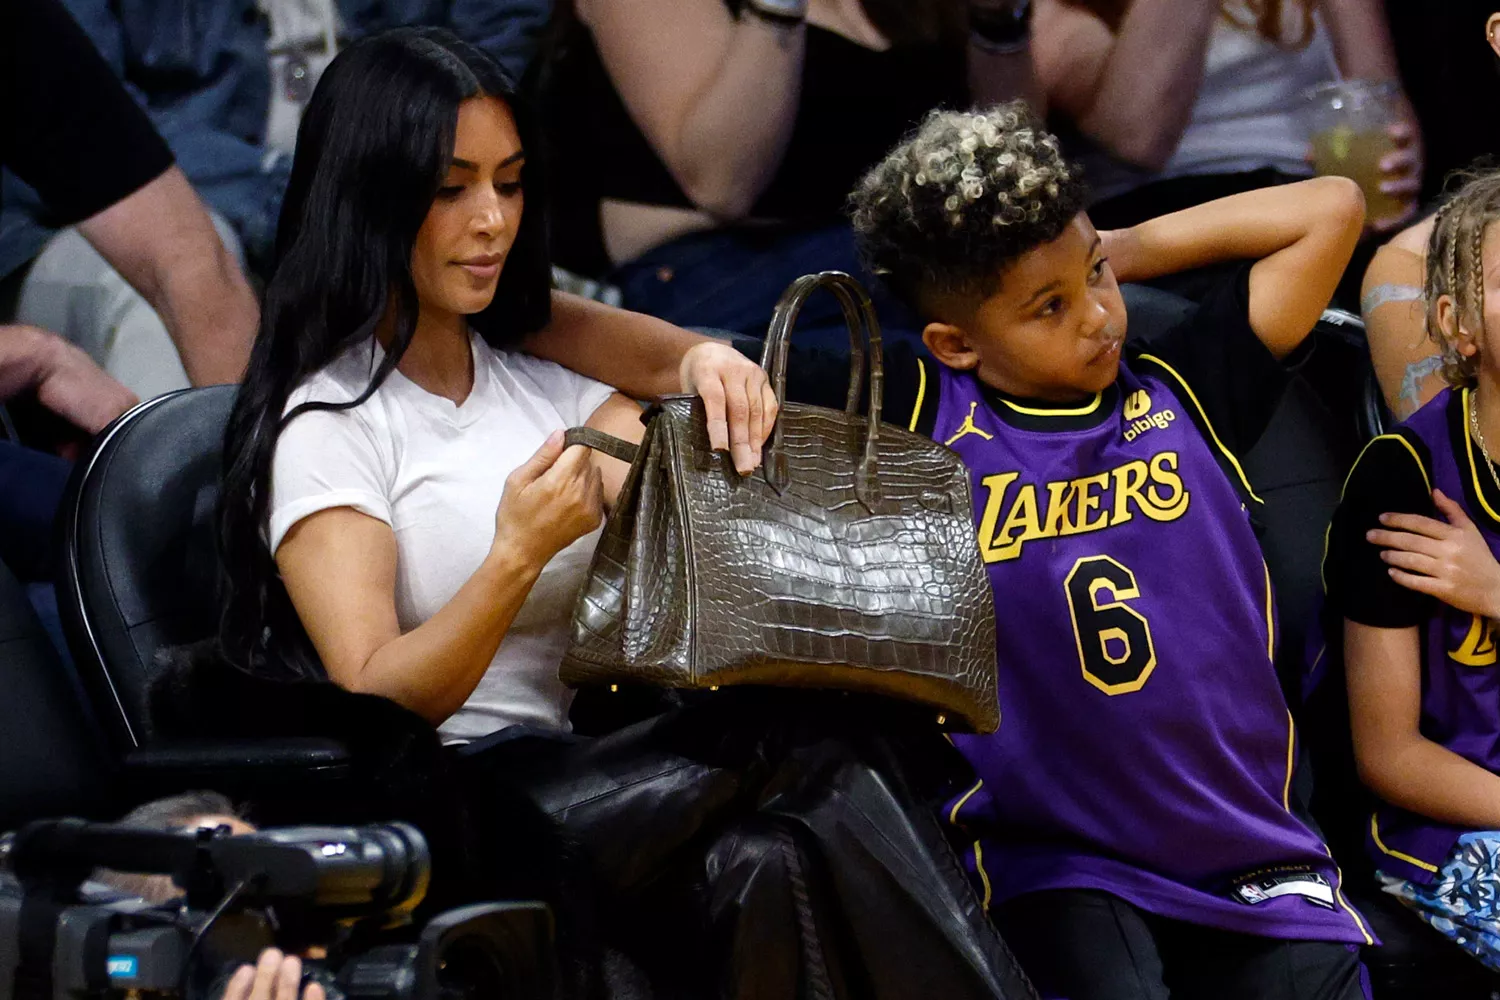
[(398, 514)]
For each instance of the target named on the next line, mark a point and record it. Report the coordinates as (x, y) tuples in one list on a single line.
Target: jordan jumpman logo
[(967, 427)]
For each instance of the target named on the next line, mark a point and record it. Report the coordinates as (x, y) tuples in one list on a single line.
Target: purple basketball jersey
[(1145, 748), (1460, 682)]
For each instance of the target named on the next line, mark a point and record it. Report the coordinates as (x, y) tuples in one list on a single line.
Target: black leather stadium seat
[(139, 574)]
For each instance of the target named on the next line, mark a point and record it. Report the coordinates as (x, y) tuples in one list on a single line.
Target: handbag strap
[(601, 442), (859, 316)]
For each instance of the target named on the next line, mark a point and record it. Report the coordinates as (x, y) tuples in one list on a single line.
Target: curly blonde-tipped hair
[(1455, 268), (961, 198)]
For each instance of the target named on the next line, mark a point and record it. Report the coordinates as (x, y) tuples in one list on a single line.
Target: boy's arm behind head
[(1300, 235)]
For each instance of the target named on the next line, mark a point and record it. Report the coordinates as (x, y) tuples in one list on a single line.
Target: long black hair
[(372, 150)]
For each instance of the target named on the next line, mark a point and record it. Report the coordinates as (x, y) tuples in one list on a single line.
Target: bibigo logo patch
[(1140, 418)]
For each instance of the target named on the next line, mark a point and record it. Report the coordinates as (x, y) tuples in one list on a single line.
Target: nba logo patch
[(1137, 404), (1262, 887), (1252, 893)]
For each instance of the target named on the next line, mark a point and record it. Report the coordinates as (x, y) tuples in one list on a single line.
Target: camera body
[(343, 895)]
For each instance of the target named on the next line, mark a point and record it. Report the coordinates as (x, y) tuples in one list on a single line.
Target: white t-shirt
[(434, 471), (1249, 113)]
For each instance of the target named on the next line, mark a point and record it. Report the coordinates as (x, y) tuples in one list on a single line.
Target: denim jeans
[(731, 279), (31, 491)]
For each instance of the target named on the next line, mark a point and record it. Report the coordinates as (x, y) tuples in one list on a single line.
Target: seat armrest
[(281, 768)]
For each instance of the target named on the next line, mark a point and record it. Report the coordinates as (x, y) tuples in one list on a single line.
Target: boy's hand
[(1450, 561)]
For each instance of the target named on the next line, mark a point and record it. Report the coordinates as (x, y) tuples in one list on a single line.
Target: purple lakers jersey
[(1145, 748), (1460, 679)]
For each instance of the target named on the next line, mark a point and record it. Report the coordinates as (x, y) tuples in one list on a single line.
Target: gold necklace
[(1484, 449)]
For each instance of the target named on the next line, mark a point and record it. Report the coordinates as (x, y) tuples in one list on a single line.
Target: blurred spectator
[(188, 811), (705, 167), (68, 127), (96, 163), (1441, 60), (1406, 358), (224, 81), (1177, 102)]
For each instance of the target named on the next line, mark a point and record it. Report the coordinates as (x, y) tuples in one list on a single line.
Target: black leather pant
[(774, 845)]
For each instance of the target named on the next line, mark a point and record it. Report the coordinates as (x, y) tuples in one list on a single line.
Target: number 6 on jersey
[(1114, 640)]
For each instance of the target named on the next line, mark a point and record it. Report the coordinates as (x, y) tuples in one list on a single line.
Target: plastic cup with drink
[(1350, 123)]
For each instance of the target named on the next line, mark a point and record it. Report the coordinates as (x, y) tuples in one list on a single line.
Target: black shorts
[(1078, 944)]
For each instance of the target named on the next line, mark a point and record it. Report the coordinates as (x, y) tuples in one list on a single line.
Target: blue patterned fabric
[(1463, 900)]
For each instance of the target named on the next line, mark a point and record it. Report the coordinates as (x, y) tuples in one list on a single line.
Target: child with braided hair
[(1411, 570), (1133, 828)]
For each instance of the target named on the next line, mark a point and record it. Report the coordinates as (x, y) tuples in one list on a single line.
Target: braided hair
[(960, 199), (1455, 268)]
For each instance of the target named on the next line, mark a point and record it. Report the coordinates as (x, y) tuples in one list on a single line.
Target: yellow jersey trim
[(1338, 893), (953, 815), (984, 877), (1193, 397), (1270, 614), (1323, 562), (1375, 835), (1291, 746), (1405, 444), (1473, 468), (916, 411), (1081, 411)]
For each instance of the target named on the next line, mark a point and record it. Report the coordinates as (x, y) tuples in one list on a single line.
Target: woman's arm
[(1300, 235), (620, 417), (1395, 760), (1395, 314), (647, 357), (1361, 39), (715, 96), (1363, 48), (1132, 92), (339, 567), (638, 354)]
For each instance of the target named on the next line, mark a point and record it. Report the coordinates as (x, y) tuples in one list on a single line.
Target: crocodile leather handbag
[(848, 561)]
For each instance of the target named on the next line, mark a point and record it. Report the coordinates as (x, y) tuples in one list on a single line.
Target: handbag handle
[(859, 316), (608, 444)]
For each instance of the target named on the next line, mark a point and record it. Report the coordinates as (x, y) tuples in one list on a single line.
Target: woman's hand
[(738, 397), (553, 499), (1450, 561), (1401, 170)]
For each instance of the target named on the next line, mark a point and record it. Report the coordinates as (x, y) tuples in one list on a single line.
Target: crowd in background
[(693, 157)]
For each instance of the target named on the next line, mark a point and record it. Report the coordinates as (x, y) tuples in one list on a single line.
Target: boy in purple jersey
[(1132, 826), (1411, 571)]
